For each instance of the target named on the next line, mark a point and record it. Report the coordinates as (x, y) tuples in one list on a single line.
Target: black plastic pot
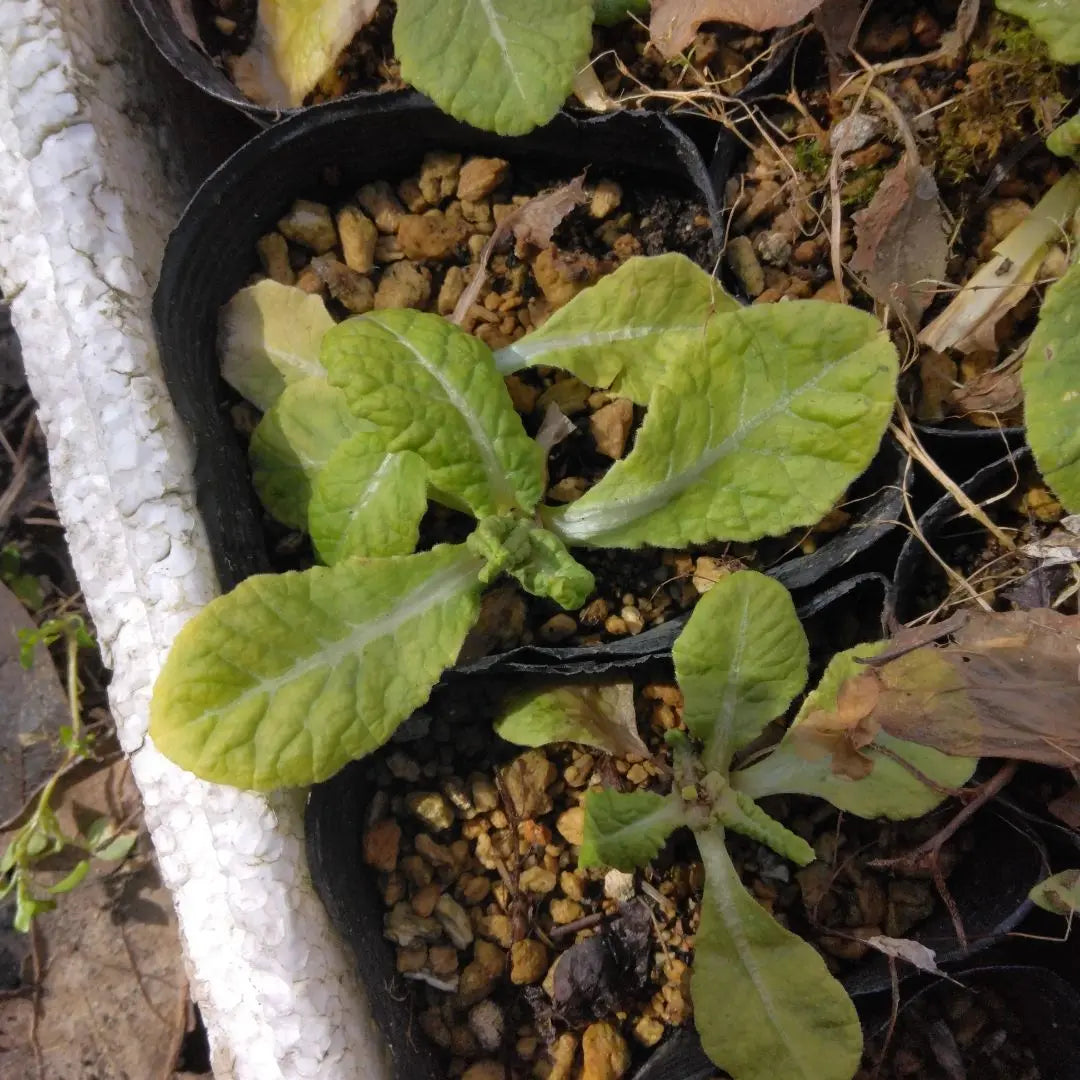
[(334, 826), (943, 526), (1046, 1006), (991, 902), (211, 254)]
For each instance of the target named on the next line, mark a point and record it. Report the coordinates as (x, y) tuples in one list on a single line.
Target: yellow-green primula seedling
[(757, 420), (765, 1004)]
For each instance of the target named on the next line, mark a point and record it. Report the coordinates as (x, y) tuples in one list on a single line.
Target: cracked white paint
[(87, 195)]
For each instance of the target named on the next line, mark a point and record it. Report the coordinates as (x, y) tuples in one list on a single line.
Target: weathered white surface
[(85, 206)]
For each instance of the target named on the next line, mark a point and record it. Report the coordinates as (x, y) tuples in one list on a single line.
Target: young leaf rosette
[(765, 1004), (757, 420)]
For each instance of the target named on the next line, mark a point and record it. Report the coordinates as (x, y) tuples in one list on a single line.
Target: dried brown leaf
[(1008, 686), (843, 732), (902, 246), (913, 952), (533, 222), (675, 22), (837, 21), (995, 391)]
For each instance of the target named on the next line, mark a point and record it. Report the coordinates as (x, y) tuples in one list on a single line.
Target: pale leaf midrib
[(500, 484), (585, 522), (497, 35), (520, 354), (426, 595)]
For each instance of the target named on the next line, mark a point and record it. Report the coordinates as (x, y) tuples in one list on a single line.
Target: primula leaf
[(296, 42), (595, 714), (611, 12), (741, 814), (626, 829), (269, 336), (367, 501), (739, 662), (1059, 894), (287, 678), (817, 756), (551, 571), (293, 441), (758, 428), (431, 388), (1057, 22), (623, 332), (500, 65), (1065, 139), (765, 1004), (538, 559), (1051, 375)]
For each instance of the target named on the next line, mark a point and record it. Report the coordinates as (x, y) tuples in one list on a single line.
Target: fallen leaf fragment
[(913, 952), (843, 732), (995, 391), (1061, 547), (902, 246), (1059, 894), (1007, 686), (533, 222), (295, 43), (675, 22)]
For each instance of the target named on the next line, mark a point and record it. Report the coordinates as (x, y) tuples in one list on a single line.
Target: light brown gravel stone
[(454, 920), (527, 778), (358, 239), (310, 225), (381, 204), (484, 1070), (565, 911), (439, 175), (423, 901), (606, 1055), (431, 236), (273, 251), (480, 177), (558, 628), (571, 824), (528, 962), (605, 199), (537, 879), (610, 427), (404, 285), (352, 290), (431, 808), (381, 844), (744, 265)]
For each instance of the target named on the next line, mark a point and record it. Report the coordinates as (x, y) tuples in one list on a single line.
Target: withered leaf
[(843, 732), (995, 391), (1008, 686), (902, 246), (914, 952), (1059, 894), (533, 222), (675, 22)]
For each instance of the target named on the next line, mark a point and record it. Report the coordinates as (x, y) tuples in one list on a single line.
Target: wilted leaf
[(595, 714), (902, 246), (1006, 687), (1059, 894), (675, 22), (295, 43), (532, 222), (269, 336), (995, 391), (1060, 547), (912, 952), (906, 780)]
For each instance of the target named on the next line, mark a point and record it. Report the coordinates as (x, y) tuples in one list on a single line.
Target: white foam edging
[(85, 206)]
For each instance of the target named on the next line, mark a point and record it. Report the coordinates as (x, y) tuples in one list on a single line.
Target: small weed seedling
[(758, 419), (765, 1005), (42, 835)]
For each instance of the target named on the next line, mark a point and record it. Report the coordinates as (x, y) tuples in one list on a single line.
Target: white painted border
[(85, 207)]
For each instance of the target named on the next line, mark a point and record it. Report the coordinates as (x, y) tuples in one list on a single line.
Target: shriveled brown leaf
[(533, 222), (954, 40), (995, 391), (912, 952), (675, 22), (902, 246), (843, 732), (1008, 686), (937, 381)]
